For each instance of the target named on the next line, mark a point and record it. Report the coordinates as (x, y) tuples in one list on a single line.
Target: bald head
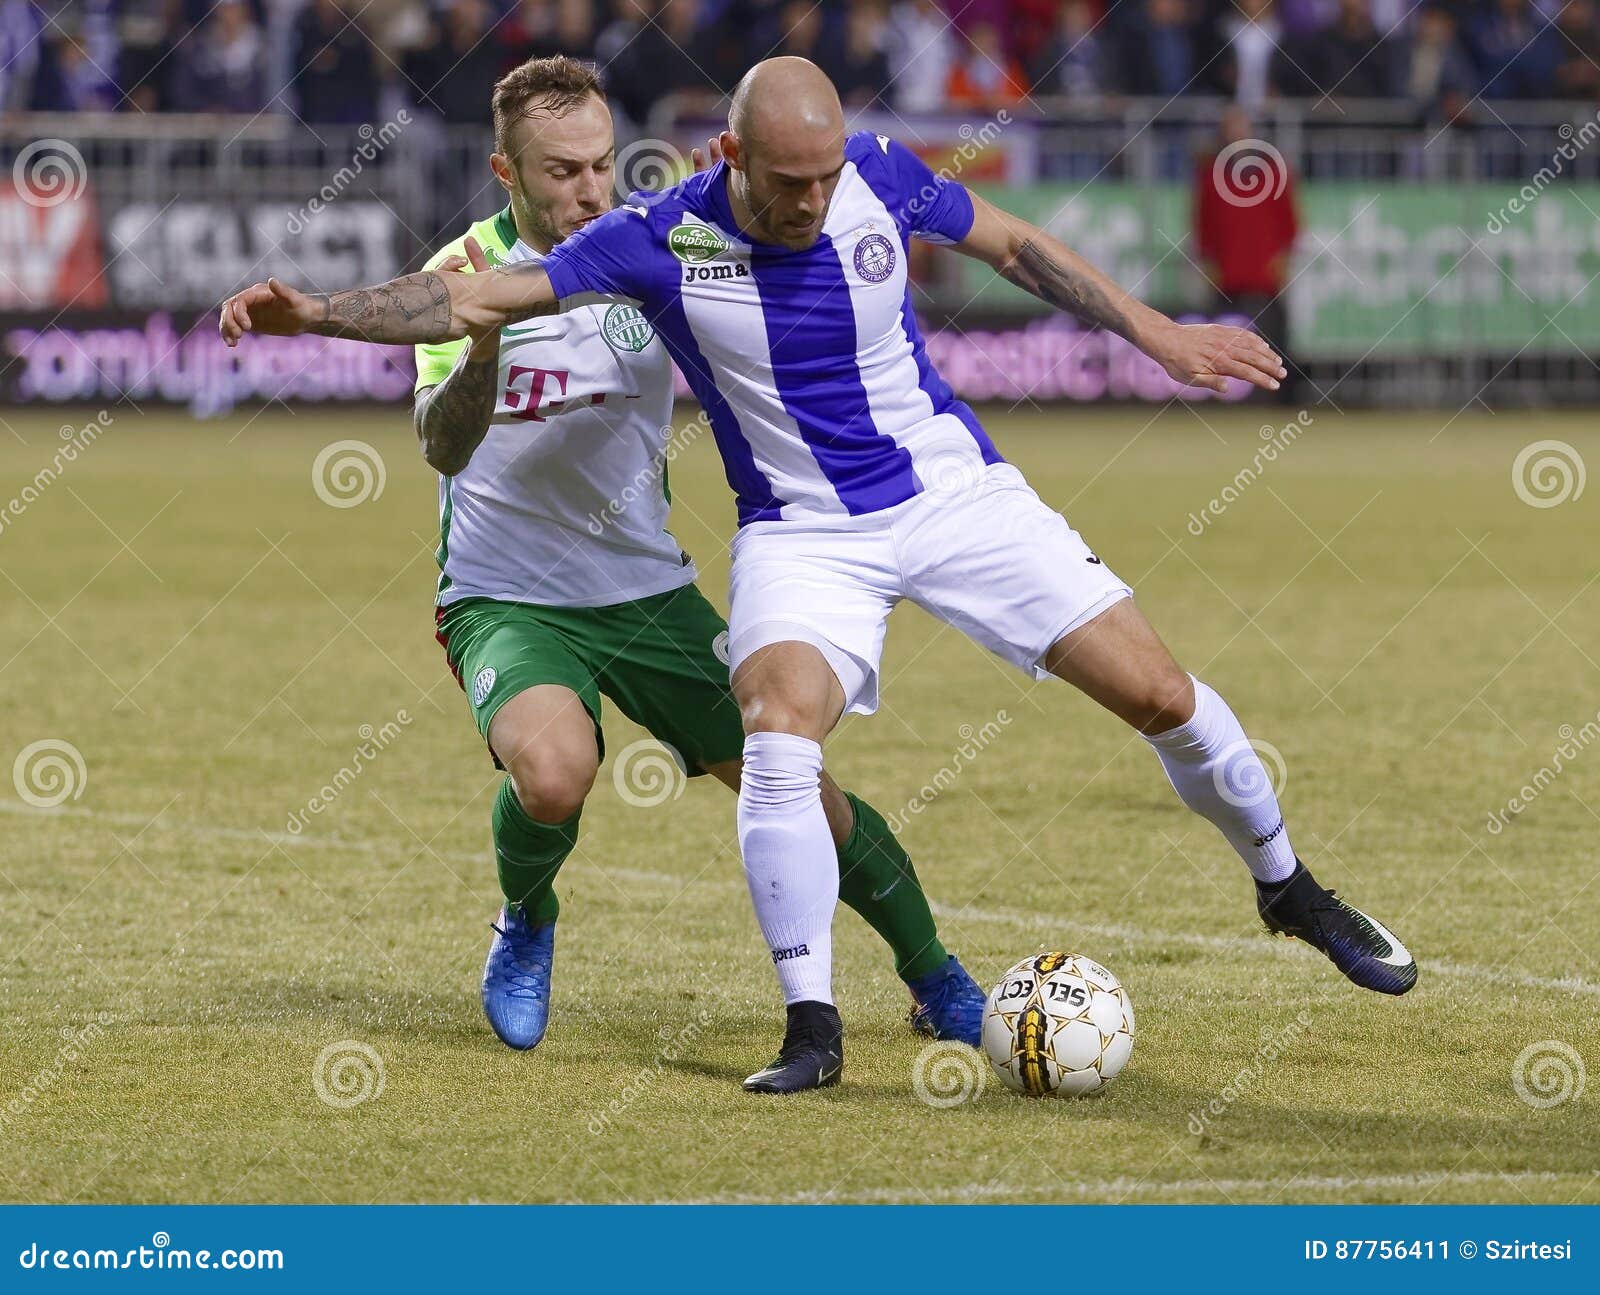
[(785, 150), (780, 99)]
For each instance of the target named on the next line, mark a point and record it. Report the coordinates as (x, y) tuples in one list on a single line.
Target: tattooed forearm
[(453, 417), (415, 308), (1055, 280)]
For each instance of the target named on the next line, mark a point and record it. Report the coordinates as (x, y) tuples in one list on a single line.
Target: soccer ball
[(1058, 1025)]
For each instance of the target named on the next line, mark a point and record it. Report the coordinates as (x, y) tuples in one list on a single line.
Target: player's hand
[(474, 258), (1206, 355), (485, 348), (272, 307), (710, 157)]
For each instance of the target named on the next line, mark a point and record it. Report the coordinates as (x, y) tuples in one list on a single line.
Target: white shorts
[(989, 557)]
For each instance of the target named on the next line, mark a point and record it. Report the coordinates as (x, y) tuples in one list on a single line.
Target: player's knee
[(780, 715), (551, 786), (1165, 702)]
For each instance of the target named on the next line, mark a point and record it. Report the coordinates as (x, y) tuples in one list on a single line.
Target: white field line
[(1048, 925), (1117, 1189), (207, 831), (1257, 943)]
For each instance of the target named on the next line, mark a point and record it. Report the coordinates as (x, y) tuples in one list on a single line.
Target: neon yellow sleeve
[(436, 359), (495, 236)]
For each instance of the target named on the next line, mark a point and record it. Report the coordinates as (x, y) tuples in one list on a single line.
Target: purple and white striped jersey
[(809, 364)]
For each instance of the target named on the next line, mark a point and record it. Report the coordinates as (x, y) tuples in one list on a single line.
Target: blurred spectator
[(922, 52), (1167, 66), (651, 50), (221, 64), (1515, 51), (1251, 69), (453, 71), (616, 53), (800, 28), (333, 74), (862, 71), (985, 77), (541, 28), (1244, 229), (1075, 62), (1577, 74), (20, 29), (144, 67), (1344, 61), (1434, 72), (680, 54)]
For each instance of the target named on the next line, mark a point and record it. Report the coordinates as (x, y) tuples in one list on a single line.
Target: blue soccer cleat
[(516, 979), (1359, 945), (949, 1004)]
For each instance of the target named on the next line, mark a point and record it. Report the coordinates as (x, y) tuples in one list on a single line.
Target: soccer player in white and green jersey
[(560, 581)]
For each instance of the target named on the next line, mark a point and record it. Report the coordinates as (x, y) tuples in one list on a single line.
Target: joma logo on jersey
[(695, 244), (724, 270)]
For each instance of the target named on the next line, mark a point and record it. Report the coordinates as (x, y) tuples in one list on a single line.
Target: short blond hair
[(555, 85)]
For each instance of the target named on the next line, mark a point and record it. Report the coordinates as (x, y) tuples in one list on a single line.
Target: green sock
[(529, 854), (877, 880)]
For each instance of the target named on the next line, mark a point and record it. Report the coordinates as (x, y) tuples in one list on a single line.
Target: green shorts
[(663, 660)]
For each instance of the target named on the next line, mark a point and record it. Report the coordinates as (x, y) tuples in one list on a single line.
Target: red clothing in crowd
[(1245, 224)]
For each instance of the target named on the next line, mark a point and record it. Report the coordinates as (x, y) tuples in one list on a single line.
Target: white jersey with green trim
[(565, 501)]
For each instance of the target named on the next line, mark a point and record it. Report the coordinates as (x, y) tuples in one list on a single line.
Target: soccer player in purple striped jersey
[(777, 281)]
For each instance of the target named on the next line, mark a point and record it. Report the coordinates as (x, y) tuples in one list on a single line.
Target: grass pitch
[(210, 638)]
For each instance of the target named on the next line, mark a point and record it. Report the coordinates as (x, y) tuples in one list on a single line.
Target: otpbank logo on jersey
[(699, 247)]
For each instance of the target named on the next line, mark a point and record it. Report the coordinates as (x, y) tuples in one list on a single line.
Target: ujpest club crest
[(874, 258)]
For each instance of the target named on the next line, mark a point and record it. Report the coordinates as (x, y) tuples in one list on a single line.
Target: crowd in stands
[(337, 60)]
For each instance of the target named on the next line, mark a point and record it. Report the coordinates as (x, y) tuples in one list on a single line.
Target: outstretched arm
[(434, 306), (1197, 355)]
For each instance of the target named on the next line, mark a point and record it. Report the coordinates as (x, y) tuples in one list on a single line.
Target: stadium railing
[(1438, 263)]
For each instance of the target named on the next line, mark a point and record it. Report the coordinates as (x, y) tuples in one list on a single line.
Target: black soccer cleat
[(1362, 948), (812, 1055)]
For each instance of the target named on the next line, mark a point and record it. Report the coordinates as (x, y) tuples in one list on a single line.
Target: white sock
[(790, 863), (1217, 774)]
